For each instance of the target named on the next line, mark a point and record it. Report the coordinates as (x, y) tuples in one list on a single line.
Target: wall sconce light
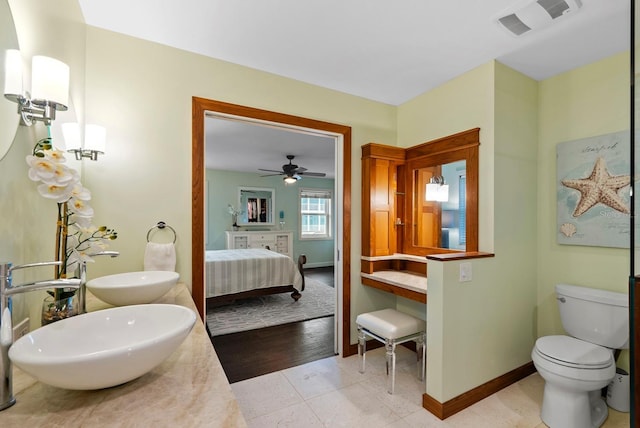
[(290, 179), (437, 190), (95, 137), (49, 87)]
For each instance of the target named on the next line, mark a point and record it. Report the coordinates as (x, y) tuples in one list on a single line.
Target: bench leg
[(390, 346), (421, 351), (362, 348)]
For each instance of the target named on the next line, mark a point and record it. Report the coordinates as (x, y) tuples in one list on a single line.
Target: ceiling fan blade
[(313, 174), (270, 170), (270, 175), (300, 169)]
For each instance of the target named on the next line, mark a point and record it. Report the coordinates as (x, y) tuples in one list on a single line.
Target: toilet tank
[(594, 315)]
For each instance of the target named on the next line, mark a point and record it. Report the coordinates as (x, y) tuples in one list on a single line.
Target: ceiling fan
[(292, 172)]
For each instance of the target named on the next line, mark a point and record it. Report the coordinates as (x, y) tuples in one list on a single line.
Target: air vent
[(533, 15), (513, 24)]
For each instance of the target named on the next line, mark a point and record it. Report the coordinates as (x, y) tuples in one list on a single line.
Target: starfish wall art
[(593, 191)]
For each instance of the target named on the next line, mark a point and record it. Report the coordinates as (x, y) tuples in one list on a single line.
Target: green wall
[(494, 312), (588, 101), (223, 190), (142, 93)]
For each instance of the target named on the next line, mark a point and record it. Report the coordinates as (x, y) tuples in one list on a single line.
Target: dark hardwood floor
[(322, 274), (252, 353)]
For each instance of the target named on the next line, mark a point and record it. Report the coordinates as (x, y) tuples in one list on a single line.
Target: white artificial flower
[(82, 224), (52, 191), (64, 175), (72, 240), (55, 155), (40, 168), (78, 206), (80, 192)]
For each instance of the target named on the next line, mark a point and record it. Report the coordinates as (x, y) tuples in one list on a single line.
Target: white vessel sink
[(103, 348), (132, 288)]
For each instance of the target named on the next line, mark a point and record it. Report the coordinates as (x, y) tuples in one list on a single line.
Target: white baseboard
[(317, 265)]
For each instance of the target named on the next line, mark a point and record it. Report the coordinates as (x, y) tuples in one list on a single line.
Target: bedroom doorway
[(341, 258)]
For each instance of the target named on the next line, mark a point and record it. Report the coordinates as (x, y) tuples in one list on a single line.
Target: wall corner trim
[(462, 401)]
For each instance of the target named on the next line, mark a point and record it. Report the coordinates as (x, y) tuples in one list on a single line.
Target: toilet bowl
[(576, 368), (574, 372)]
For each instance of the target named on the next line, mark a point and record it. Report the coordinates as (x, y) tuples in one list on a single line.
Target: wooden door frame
[(200, 106)]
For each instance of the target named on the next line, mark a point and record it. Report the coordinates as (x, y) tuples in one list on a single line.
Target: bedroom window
[(315, 214)]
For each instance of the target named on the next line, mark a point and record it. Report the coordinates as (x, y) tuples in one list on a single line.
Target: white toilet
[(576, 368)]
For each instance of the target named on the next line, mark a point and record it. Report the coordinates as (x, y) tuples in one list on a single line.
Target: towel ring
[(161, 225)]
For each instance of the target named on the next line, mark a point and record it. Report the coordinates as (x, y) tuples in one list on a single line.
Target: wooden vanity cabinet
[(382, 212)]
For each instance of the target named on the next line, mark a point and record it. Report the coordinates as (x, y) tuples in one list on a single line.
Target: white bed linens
[(234, 271)]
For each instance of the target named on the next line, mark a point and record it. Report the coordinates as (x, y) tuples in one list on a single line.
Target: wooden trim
[(461, 140), (202, 105), (197, 206), (462, 401), (368, 266), (459, 256), (394, 289), (346, 241), (382, 151), (634, 305)]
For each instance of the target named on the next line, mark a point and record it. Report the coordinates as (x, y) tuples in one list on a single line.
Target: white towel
[(160, 257)]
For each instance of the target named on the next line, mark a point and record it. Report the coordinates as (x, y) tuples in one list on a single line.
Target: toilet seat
[(574, 353)]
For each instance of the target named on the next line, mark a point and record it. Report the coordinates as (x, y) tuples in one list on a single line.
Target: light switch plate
[(466, 273)]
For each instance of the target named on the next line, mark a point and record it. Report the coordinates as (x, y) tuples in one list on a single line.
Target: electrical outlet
[(466, 273), (21, 329)]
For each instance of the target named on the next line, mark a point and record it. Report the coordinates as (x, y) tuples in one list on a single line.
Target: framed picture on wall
[(593, 183)]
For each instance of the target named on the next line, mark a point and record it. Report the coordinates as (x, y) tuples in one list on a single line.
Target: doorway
[(201, 107)]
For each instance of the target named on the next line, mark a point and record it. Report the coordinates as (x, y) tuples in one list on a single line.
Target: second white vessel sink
[(103, 348), (132, 288)]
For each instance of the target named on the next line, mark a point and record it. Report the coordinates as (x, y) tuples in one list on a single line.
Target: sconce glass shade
[(95, 138), (436, 190), (13, 74), (50, 82), (71, 135), (289, 180)]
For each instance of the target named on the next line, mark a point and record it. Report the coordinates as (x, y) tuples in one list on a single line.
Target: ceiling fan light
[(289, 180)]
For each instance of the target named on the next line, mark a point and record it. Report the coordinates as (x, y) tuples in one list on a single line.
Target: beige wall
[(27, 229)]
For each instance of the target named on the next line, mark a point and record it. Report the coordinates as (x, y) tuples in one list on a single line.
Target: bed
[(238, 274)]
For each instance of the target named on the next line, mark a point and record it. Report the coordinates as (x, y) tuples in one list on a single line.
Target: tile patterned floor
[(331, 393)]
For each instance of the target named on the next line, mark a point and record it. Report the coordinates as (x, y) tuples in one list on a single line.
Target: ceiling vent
[(538, 14)]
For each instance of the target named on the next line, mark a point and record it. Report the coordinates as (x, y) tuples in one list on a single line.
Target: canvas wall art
[(593, 184)]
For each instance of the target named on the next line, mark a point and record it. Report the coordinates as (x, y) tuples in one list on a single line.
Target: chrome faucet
[(82, 291), (7, 289)]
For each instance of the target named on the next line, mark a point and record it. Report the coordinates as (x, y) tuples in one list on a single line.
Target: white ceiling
[(233, 145), (386, 51)]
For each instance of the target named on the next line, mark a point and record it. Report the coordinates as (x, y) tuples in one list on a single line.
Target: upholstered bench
[(392, 328)]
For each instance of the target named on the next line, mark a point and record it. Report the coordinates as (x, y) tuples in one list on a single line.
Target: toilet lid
[(573, 352)]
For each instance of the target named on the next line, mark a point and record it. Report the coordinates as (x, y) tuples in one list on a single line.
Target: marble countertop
[(189, 389), (396, 256), (402, 279)]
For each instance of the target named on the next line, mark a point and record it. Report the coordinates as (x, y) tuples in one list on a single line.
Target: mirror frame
[(8, 118), (242, 217), (461, 146)]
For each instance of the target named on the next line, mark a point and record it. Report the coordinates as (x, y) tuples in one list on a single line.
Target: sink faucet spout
[(7, 289)]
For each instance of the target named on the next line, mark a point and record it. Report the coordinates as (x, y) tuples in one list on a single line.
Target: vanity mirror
[(440, 222), (257, 206), (8, 117), (440, 226)]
